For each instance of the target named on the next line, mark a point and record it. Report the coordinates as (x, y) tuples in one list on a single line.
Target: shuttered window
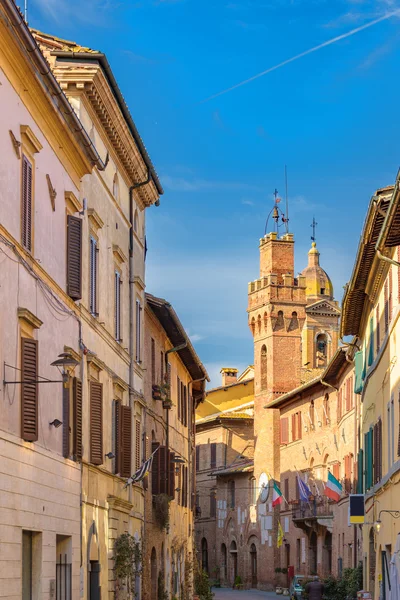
[(153, 362), (326, 409), (197, 458), (74, 257), (213, 503), (368, 458), (286, 490), (94, 258), (294, 427), (171, 479), (398, 439), (164, 470), (117, 306), (27, 212), (377, 452), (386, 299), (116, 435), (336, 471), (378, 329), (138, 331), (178, 397), (285, 430), (213, 461), (77, 417), (185, 406), (360, 473), (339, 405), (155, 469), (96, 423), (126, 440), (66, 423), (29, 391), (138, 434), (162, 367), (299, 426)]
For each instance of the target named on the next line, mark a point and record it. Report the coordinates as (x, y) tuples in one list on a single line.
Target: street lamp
[(378, 523)]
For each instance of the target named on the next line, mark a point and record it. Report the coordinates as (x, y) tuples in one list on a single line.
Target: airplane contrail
[(310, 51)]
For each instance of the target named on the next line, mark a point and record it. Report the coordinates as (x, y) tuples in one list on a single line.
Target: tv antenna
[(314, 226), (26, 11)]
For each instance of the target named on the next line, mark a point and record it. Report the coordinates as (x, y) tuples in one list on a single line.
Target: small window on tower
[(322, 291)]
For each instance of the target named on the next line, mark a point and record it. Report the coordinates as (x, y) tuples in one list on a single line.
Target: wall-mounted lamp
[(56, 423), (65, 360), (110, 455), (178, 460), (178, 489), (394, 513)]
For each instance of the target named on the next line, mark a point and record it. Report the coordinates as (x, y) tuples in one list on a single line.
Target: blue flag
[(304, 490)]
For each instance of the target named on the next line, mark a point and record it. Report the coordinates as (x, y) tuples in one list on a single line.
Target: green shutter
[(358, 365), (369, 462), (360, 474), (371, 342)]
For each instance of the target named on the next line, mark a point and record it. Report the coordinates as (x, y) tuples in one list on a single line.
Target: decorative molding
[(52, 193), (118, 382), (26, 315), (73, 353), (15, 143), (119, 255), (139, 282), (95, 362), (29, 138), (72, 202), (95, 219), (119, 504)]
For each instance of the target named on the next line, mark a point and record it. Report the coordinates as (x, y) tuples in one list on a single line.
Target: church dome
[(318, 284)]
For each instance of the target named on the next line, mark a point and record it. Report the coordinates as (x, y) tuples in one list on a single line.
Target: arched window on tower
[(263, 365), (259, 323), (280, 321), (321, 350), (253, 326), (294, 322)]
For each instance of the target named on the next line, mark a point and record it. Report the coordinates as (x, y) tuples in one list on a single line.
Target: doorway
[(94, 580), (154, 576), (253, 562), (327, 554), (313, 553), (233, 553)]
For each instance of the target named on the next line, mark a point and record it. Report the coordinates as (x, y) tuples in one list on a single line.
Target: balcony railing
[(318, 508)]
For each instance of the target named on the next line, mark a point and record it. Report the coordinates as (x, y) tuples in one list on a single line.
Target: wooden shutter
[(117, 306), (186, 487), (213, 462), (339, 405), (65, 422), (378, 328), (213, 504), (197, 458), (286, 488), (336, 471), (155, 469), (74, 257), (162, 366), (96, 423), (171, 480), (29, 391), (284, 430), (164, 476), (294, 420), (138, 436), (117, 436), (360, 472), (93, 276), (386, 300), (185, 408), (299, 426), (178, 396), (153, 362), (77, 408), (126, 440), (26, 203)]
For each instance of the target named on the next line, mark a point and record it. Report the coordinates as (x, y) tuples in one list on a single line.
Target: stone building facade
[(168, 551)]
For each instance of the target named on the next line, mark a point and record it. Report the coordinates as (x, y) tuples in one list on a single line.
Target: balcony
[(310, 515)]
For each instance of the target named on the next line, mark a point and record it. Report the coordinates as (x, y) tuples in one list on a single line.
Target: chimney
[(229, 376)]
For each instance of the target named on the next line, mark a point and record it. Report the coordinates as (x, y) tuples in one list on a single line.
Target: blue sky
[(331, 116)]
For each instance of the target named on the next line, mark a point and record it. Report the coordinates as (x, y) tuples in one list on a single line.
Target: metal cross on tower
[(313, 225)]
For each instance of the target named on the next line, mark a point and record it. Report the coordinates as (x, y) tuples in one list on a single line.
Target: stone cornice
[(27, 316)]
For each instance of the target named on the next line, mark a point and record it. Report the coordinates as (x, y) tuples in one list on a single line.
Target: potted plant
[(238, 584)]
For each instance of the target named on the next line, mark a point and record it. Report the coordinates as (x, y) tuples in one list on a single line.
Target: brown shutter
[(126, 440), (117, 436), (284, 430), (162, 367), (339, 405), (153, 362), (138, 444), (29, 392), (155, 469), (294, 417), (336, 471), (198, 454), (178, 395), (386, 299), (185, 406), (96, 423), (299, 426), (186, 486), (213, 462), (379, 435), (74, 257), (171, 480), (65, 422), (163, 470), (77, 406), (26, 203), (286, 488)]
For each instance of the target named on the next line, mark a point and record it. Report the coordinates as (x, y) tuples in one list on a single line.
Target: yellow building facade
[(371, 314)]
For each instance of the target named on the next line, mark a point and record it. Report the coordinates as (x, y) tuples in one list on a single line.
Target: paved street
[(229, 594)]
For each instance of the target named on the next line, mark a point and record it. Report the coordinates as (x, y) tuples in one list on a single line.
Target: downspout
[(388, 218), (328, 385)]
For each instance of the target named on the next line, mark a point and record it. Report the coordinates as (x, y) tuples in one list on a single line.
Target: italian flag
[(276, 495), (333, 488)]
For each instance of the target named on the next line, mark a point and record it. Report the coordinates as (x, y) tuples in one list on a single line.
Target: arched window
[(263, 367), (253, 491), (223, 567), (204, 555), (116, 187), (280, 322), (312, 414), (136, 222), (253, 326), (327, 414), (259, 323), (321, 350), (231, 494), (294, 322)]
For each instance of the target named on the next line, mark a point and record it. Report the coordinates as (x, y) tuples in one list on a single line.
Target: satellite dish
[(263, 484)]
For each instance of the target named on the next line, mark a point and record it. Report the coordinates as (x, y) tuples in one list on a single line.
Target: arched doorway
[(372, 562), (154, 575), (253, 563), (223, 568), (233, 561), (313, 553), (204, 555), (327, 554)]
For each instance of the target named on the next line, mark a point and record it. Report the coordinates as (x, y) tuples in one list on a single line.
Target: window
[(339, 405), (296, 426), (179, 398), (153, 361), (117, 313), (286, 489), (377, 451), (378, 329), (322, 291), (231, 494), (96, 423), (162, 366), (386, 301), (77, 449), (163, 473), (368, 458), (63, 567), (136, 222), (326, 409), (213, 503), (321, 350), (284, 430), (29, 391), (93, 276), (336, 471), (138, 331), (138, 444), (204, 555), (27, 201), (253, 491), (74, 257), (263, 367), (213, 461), (398, 439), (185, 405), (311, 414), (348, 473), (390, 299)]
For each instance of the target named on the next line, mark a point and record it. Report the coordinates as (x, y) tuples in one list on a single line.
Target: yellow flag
[(280, 535)]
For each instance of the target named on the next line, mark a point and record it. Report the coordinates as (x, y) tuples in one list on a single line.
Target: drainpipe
[(190, 448), (387, 259), (328, 384)]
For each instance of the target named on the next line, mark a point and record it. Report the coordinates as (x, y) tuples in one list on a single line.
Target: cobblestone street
[(229, 594)]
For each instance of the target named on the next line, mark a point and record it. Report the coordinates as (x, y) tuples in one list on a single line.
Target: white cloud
[(185, 184)]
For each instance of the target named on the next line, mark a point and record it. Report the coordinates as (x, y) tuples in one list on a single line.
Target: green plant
[(161, 510), (238, 581), (345, 587), (127, 563), (202, 584), (278, 570), (162, 593), (284, 570)]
